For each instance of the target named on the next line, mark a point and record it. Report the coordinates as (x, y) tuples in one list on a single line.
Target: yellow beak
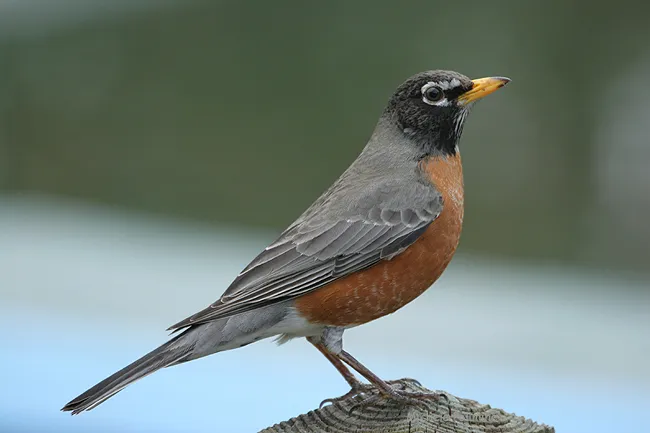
[(482, 87)]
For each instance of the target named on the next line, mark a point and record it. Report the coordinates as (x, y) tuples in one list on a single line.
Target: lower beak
[(482, 87)]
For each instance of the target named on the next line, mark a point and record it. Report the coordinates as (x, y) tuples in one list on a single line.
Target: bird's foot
[(396, 391), (400, 395)]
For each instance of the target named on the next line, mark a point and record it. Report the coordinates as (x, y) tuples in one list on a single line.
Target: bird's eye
[(432, 94)]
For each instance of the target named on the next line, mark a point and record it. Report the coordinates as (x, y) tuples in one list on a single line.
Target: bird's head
[(431, 107)]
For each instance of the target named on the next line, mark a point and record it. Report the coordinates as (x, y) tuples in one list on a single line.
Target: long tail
[(172, 352)]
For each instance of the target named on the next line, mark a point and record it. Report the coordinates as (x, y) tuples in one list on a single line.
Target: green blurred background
[(149, 149), (244, 112)]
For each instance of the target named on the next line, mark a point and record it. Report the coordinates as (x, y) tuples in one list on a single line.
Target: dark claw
[(353, 392), (326, 401), (415, 381), (334, 400)]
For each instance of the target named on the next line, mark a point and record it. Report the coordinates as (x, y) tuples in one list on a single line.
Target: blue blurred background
[(149, 149)]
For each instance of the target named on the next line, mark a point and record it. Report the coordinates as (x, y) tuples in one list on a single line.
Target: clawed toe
[(402, 384), (400, 397), (335, 400), (355, 391)]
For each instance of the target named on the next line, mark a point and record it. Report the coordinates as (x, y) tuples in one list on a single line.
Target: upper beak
[(482, 87)]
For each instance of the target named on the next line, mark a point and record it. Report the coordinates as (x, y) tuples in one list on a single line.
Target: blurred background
[(149, 149)]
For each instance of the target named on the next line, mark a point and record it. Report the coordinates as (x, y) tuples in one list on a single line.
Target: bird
[(380, 236)]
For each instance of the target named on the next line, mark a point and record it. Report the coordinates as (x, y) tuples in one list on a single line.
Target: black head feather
[(435, 126)]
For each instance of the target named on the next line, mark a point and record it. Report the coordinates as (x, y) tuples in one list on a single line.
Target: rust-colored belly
[(389, 285)]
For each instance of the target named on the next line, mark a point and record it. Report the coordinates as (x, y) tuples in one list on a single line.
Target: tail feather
[(168, 354)]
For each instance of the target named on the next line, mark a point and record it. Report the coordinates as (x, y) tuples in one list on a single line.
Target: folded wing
[(332, 239)]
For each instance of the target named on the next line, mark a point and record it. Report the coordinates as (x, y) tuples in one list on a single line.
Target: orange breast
[(389, 285)]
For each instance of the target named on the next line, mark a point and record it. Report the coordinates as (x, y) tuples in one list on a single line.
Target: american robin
[(374, 241)]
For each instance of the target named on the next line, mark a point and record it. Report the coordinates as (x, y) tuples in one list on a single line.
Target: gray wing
[(335, 237)]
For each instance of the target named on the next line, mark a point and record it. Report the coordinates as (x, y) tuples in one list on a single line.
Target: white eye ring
[(433, 94)]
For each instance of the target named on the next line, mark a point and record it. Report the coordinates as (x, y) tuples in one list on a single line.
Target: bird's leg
[(349, 377), (402, 395), (329, 343)]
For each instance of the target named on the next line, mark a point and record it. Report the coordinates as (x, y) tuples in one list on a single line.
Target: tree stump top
[(454, 414)]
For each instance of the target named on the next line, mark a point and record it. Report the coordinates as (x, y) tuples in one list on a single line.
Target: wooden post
[(454, 414)]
